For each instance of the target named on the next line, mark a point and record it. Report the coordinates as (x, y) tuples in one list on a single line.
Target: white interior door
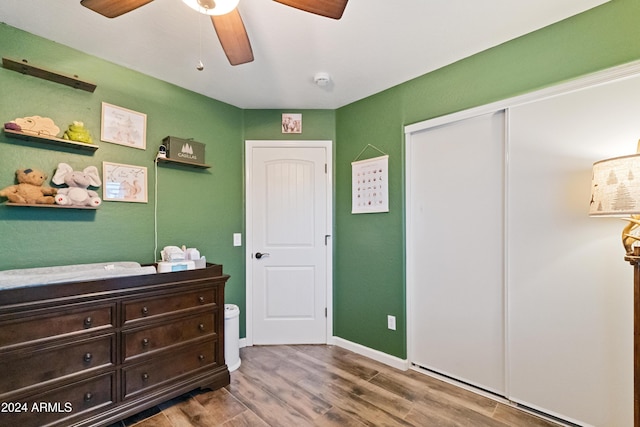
[(288, 242), (455, 250)]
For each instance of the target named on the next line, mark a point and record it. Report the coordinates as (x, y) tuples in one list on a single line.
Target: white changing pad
[(71, 273)]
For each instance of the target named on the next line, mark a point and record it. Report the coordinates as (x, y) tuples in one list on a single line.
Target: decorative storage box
[(184, 149)]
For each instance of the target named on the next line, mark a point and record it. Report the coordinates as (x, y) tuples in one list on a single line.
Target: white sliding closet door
[(455, 239), (570, 290)]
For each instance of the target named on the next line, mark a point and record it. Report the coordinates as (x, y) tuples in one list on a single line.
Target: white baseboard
[(376, 355)]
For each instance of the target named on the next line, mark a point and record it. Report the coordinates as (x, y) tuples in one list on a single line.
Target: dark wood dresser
[(91, 353)]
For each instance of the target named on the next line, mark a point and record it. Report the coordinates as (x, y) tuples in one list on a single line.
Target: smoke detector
[(322, 79)]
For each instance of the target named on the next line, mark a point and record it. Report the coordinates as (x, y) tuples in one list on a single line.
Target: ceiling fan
[(225, 18)]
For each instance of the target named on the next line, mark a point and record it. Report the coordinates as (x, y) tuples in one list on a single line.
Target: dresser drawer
[(150, 339), (60, 406), (164, 304), (55, 362), (54, 324), (162, 370)]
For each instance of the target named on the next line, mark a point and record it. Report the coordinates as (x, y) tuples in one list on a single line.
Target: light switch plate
[(237, 239), (391, 322)]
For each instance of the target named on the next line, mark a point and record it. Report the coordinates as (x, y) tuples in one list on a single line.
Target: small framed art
[(370, 189), (124, 183), (291, 123), (123, 126)]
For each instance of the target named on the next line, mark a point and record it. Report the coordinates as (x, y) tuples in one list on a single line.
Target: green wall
[(369, 262), (204, 208), (265, 125), (197, 208), (369, 273)]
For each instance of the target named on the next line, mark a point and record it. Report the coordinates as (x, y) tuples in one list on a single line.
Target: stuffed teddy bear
[(77, 193), (29, 188)]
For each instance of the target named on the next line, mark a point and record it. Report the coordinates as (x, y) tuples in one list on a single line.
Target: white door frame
[(249, 145)]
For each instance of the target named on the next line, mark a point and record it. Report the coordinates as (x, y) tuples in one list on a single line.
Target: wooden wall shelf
[(33, 205), (49, 140), (25, 68), (183, 162)]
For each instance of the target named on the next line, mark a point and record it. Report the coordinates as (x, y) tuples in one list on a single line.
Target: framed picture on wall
[(291, 123), (123, 126), (370, 188), (124, 183)]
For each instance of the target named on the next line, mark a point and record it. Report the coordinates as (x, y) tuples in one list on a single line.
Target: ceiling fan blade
[(113, 8), (233, 37), (329, 8)]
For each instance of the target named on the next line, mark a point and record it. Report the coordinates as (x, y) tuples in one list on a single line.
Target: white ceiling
[(373, 47)]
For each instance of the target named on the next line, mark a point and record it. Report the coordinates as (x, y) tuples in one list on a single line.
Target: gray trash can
[(232, 336)]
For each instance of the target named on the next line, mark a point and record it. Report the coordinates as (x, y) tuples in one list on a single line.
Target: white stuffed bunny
[(78, 193)]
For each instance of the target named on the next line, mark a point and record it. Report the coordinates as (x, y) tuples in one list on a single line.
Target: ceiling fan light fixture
[(212, 7)]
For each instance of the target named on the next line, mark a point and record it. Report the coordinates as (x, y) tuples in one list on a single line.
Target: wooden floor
[(309, 385)]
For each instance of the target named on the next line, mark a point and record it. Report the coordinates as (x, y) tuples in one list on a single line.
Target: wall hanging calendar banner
[(370, 185)]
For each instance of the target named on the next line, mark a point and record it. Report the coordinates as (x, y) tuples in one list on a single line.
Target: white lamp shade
[(212, 7), (615, 187)]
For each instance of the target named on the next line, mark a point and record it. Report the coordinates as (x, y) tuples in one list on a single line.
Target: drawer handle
[(201, 357), (201, 300), (145, 311), (145, 376), (88, 321), (88, 396), (145, 342), (88, 357), (201, 326)]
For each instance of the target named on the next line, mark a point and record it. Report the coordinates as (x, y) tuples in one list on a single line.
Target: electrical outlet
[(237, 239), (391, 322)]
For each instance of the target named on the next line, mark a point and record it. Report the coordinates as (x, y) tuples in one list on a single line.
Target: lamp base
[(628, 234), (634, 259)]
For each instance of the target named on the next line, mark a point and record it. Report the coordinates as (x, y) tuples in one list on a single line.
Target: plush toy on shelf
[(35, 125), (78, 182), (29, 189), (77, 132)]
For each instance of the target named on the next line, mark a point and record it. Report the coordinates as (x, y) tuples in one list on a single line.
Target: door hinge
[(326, 238), (325, 312), (325, 168)]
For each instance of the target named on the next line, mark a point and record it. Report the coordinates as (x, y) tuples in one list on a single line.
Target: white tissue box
[(171, 266)]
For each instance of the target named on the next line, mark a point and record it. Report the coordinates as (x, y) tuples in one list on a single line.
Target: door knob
[(260, 255)]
